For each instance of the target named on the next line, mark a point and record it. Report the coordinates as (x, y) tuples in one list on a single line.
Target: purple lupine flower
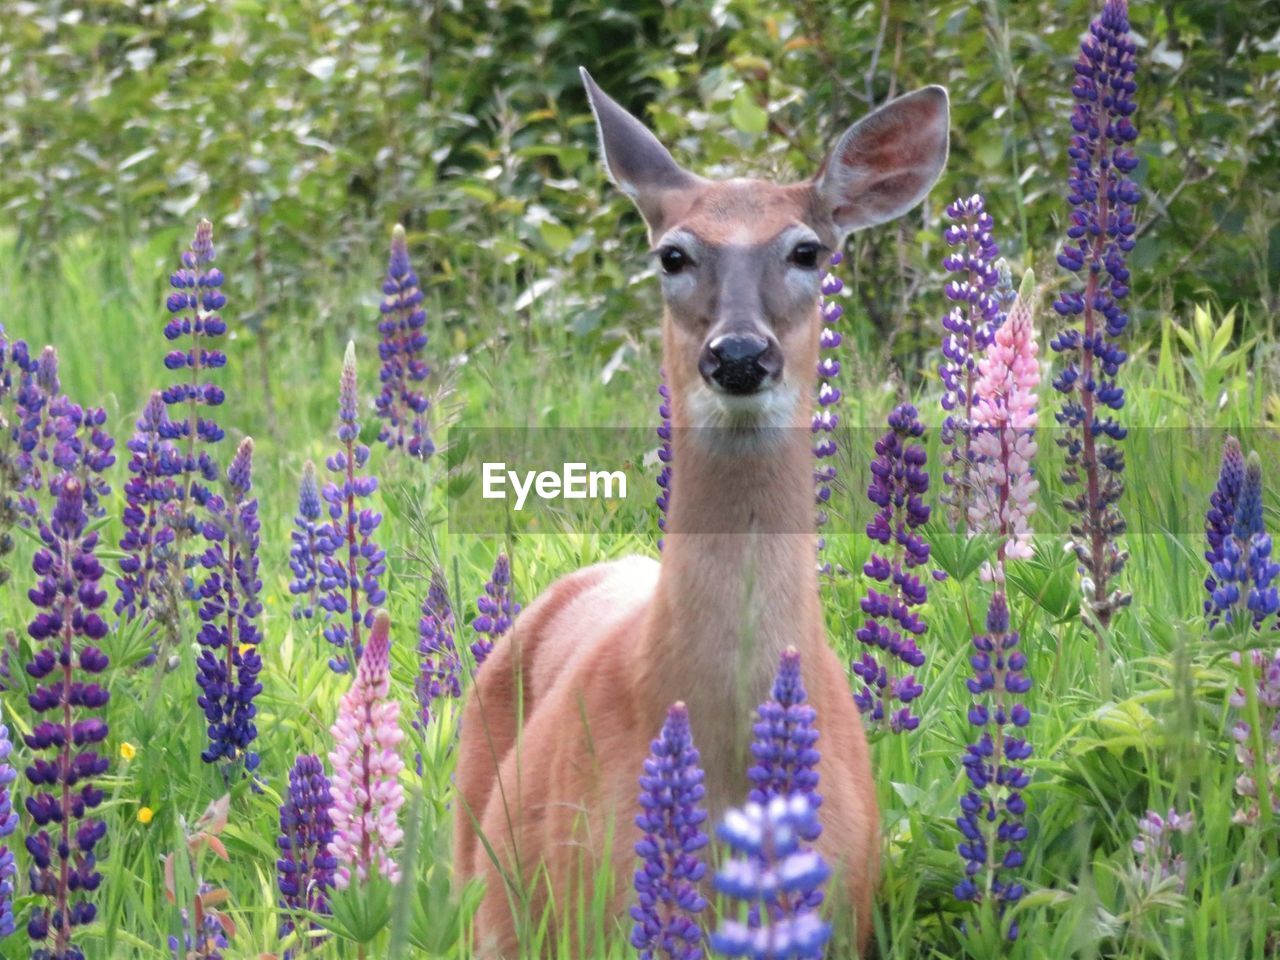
[(1219, 521), (212, 938), (1154, 844), (67, 629), (16, 367), (305, 868), (898, 484), (8, 823), (664, 454), (496, 610), (1100, 235), (1245, 572), (968, 328), (772, 866), (440, 673), (304, 555), (350, 562), (993, 807), (1265, 683), (825, 419), (783, 748), (30, 403), (671, 865), (228, 665), (153, 464), (401, 402), (194, 304)]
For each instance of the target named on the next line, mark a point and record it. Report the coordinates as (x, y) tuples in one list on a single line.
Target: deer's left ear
[(885, 163)]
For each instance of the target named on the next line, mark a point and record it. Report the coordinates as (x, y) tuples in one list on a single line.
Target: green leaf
[(745, 113)]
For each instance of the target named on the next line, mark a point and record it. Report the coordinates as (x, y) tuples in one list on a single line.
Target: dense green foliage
[(305, 129)]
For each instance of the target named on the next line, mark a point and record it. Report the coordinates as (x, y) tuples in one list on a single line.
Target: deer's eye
[(805, 255), (673, 260)]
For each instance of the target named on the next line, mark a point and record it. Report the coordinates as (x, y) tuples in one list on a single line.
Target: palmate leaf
[(361, 912)]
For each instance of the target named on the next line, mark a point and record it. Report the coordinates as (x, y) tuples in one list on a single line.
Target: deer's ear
[(636, 162), (886, 162)]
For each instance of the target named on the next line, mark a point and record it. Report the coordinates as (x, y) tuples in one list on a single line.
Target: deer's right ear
[(636, 162), (886, 162)]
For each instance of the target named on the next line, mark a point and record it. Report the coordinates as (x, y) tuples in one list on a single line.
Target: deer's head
[(741, 260)]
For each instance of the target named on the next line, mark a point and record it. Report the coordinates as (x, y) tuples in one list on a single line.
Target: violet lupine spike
[(212, 938), (367, 794), (1220, 519), (228, 666), (772, 867), (64, 868), (1100, 236), (496, 610), (671, 867), (196, 324), (1154, 845), (8, 823), (784, 737), (304, 555), (898, 484), (968, 328), (1246, 572), (402, 404), (16, 368), (153, 465), (664, 454), (993, 807), (825, 419), (305, 868), (1003, 435), (351, 562), (440, 671), (1266, 672)]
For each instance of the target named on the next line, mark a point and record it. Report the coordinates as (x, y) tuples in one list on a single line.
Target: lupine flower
[(304, 555), (401, 403), (1100, 235), (993, 807), (664, 454), (825, 419), (194, 304), (783, 749), (16, 366), (1266, 673), (367, 795), (440, 673), (1154, 844), (8, 823), (898, 484), (67, 628), (305, 867), (1219, 521), (211, 938), (228, 665), (30, 403), (671, 865), (1003, 430), (772, 866), (1246, 573), (968, 328), (496, 610), (153, 464), (351, 562)]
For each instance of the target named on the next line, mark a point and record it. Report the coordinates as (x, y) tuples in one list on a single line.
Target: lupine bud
[(228, 665), (16, 369), (671, 867), (304, 555), (401, 402), (496, 610), (1219, 521), (898, 484), (305, 868), (351, 562), (1245, 573), (440, 674), (1154, 844), (1100, 235), (367, 794)]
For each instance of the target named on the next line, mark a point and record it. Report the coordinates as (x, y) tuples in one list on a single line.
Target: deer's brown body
[(558, 726)]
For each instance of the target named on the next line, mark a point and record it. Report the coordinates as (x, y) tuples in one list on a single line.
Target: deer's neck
[(738, 583)]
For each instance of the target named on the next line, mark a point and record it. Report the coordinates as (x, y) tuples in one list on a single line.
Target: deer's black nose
[(740, 363)]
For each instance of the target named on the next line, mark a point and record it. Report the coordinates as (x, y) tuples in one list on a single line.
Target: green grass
[(1137, 722)]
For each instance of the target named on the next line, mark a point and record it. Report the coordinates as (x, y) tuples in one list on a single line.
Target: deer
[(560, 718)]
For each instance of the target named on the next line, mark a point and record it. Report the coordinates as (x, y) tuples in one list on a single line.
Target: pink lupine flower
[(367, 794), (1004, 441)]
